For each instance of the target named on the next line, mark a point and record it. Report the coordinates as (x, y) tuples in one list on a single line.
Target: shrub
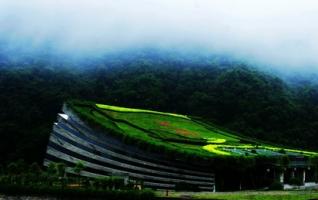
[(76, 193), (276, 185), (295, 181), (35, 168), (182, 186)]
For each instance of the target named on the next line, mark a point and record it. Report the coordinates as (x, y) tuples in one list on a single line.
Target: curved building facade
[(73, 141)]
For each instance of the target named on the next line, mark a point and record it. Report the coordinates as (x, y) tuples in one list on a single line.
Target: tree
[(51, 169), (35, 168), (60, 169), (77, 169), (13, 168), (1, 170)]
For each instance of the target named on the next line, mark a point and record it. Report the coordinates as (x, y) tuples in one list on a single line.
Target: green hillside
[(173, 132), (240, 98)]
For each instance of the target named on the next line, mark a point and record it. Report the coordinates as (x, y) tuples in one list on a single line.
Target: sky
[(276, 33)]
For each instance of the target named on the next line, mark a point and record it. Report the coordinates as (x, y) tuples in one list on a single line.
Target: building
[(107, 152)]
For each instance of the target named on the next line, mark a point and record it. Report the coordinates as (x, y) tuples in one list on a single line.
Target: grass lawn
[(252, 195), (172, 125)]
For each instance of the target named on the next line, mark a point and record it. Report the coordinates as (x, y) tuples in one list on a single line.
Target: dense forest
[(231, 94)]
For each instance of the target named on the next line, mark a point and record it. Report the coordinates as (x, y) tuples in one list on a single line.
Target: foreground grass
[(75, 193), (272, 195)]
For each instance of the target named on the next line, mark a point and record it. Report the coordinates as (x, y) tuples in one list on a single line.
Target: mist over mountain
[(274, 35)]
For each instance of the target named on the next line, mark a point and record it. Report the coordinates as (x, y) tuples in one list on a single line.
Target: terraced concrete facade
[(103, 155)]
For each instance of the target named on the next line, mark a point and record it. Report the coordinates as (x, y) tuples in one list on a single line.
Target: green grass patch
[(248, 195), (122, 109), (175, 127)]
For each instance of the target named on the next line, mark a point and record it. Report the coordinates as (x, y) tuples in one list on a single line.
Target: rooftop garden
[(176, 133)]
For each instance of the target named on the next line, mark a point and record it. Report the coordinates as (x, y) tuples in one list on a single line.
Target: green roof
[(174, 132)]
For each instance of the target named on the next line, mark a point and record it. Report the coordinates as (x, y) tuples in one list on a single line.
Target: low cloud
[(279, 33)]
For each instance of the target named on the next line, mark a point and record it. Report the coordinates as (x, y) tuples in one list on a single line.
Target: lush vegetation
[(230, 94), (19, 178)]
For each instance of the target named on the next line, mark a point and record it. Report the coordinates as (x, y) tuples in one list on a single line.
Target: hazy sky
[(272, 32)]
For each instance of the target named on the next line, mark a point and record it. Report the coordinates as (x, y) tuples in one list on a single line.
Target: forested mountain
[(227, 92)]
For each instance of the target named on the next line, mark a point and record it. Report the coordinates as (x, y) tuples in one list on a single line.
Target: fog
[(282, 34)]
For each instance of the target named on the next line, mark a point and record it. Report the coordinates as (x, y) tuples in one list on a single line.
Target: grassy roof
[(174, 132)]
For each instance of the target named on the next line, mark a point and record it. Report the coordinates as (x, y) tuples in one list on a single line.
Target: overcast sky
[(282, 33)]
